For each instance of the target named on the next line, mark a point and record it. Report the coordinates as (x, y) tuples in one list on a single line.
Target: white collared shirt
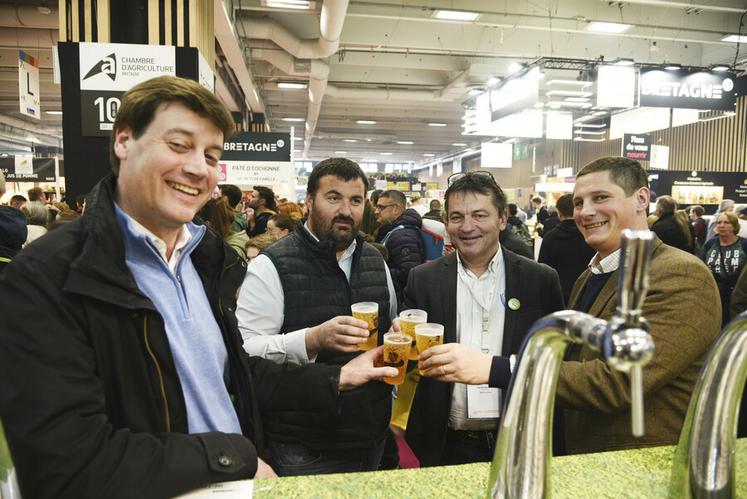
[(261, 303), (609, 263), (159, 244), (480, 319)]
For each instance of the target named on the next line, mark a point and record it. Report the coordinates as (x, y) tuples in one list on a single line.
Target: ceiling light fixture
[(605, 27), (456, 15), (581, 131), (386, 153), (576, 99), (568, 93), (405, 142), (582, 84), (341, 152), (720, 67), (295, 120), (291, 85), (672, 67), (366, 122), (437, 124), (289, 4), (55, 113), (735, 39), (515, 67), (428, 155), (584, 139), (623, 61), (297, 138), (350, 140), (591, 125), (459, 144), (494, 80)]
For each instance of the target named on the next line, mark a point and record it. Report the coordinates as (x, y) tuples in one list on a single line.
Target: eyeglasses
[(478, 173), (382, 207)]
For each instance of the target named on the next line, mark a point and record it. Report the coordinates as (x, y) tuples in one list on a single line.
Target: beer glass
[(368, 311), (408, 320), (426, 336), (396, 350)]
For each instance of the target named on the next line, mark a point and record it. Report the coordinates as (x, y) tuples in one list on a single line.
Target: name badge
[(483, 402)]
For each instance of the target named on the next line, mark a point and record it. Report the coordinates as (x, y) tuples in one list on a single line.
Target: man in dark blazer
[(487, 299)]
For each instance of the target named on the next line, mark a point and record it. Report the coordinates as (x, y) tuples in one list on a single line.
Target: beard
[(328, 231)]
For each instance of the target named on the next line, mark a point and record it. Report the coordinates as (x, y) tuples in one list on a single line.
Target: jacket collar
[(325, 248), (100, 270), (514, 265)]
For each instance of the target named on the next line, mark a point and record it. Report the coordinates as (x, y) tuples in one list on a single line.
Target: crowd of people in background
[(241, 302)]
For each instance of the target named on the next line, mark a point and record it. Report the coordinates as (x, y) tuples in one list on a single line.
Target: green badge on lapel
[(514, 304)]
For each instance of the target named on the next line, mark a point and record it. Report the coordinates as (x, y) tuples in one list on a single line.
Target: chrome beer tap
[(704, 462), (521, 466)]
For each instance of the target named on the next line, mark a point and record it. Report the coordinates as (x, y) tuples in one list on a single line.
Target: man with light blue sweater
[(122, 366)]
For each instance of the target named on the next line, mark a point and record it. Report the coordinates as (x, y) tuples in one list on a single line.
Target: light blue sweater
[(195, 339)]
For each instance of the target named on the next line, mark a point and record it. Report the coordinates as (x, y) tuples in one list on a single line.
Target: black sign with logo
[(43, 170), (98, 110), (636, 146), (688, 89), (248, 146)]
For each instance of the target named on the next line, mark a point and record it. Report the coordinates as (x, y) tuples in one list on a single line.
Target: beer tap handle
[(636, 400), (632, 280)]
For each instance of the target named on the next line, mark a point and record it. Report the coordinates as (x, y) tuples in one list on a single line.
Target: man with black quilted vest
[(295, 306)]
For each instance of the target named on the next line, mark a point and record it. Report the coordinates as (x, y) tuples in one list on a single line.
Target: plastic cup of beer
[(408, 319), (396, 349), (428, 335), (368, 311)]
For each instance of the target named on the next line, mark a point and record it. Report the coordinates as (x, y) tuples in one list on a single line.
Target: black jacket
[(91, 399), (402, 240), (565, 250), (513, 242), (670, 232), (316, 290), (433, 287)]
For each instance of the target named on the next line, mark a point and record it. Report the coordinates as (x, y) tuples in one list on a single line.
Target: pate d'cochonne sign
[(688, 89), (258, 159)]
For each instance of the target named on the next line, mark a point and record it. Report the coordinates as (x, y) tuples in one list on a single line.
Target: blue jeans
[(298, 460)]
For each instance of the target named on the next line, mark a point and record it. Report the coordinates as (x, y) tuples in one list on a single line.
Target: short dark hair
[(513, 209), (435, 204), (141, 102), (343, 168), (698, 210), (479, 184), (282, 222), (396, 196), (666, 204), (565, 205), (537, 199), (35, 193), (232, 193), (17, 199), (625, 173), (375, 195), (266, 194)]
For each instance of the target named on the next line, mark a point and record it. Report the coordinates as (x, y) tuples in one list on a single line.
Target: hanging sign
[(107, 70), (636, 146), (251, 159), (688, 89), (28, 85), (27, 169)]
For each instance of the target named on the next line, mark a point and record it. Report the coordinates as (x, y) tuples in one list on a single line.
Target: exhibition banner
[(107, 70), (636, 146), (704, 188), (688, 89), (251, 159), (28, 169), (28, 85)]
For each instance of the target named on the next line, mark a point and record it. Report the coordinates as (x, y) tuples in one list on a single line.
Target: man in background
[(13, 230), (564, 247), (263, 206)]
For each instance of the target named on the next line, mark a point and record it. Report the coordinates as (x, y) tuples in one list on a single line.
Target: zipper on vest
[(158, 371)]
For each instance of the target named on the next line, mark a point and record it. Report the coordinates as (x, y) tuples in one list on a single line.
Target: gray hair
[(36, 213)]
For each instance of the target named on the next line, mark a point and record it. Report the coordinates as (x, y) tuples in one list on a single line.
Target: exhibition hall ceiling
[(394, 86)]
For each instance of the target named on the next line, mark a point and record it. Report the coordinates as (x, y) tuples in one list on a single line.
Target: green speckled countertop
[(642, 473)]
